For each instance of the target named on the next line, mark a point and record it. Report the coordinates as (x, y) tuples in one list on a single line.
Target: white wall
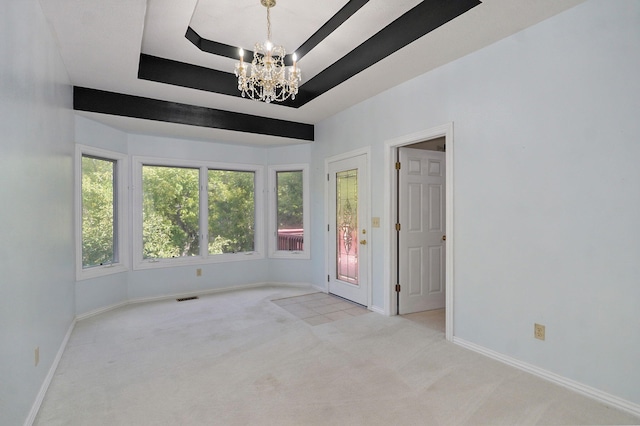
[(36, 208), (546, 194)]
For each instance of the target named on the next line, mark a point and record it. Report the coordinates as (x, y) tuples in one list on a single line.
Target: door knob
[(363, 242), (444, 238)]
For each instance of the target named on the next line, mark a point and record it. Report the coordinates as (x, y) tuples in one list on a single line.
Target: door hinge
[(328, 228), (327, 177), (397, 288), (328, 278), (398, 227), (398, 165)]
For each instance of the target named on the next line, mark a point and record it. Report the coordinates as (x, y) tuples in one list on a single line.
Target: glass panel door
[(347, 247), (347, 226)]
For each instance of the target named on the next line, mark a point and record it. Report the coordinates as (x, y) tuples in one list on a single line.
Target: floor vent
[(186, 298)]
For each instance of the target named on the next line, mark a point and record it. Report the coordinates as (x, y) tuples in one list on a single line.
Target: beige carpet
[(238, 358)]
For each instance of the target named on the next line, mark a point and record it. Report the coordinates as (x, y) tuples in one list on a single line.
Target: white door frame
[(390, 198), (366, 213)]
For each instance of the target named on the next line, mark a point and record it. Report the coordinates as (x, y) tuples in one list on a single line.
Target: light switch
[(375, 222)]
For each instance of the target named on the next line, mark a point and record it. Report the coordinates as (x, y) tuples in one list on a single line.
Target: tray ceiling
[(179, 57)]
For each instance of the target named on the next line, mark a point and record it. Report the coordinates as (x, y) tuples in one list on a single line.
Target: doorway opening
[(419, 255), (421, 235)]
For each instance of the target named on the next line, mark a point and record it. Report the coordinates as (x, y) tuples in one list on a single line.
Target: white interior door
[(348, 238), (421, 247)]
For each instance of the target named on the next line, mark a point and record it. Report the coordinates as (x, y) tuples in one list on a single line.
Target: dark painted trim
[(330, 26), (417, 22), (92, 100), (327, 28), (214, 47)]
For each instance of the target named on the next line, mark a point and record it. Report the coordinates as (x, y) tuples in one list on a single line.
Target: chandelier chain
[(269, 23)]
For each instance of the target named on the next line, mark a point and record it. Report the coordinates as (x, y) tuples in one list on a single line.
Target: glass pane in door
[(347, 226)]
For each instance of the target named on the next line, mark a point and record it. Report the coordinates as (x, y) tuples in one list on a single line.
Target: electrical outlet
[(198, 272), (36, 355), (538, 331)]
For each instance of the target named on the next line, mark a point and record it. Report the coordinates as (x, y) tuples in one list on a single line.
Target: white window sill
[(196, 260), (283, 254), (100, 271)]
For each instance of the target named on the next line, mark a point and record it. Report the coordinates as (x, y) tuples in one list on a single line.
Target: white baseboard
[(378, 310), (195, 293), (47, 380), (292, 284), (583, 389), (320, 289), (101, 310), (188, 294)]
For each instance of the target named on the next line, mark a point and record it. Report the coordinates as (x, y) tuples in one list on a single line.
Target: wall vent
[(182, 299)]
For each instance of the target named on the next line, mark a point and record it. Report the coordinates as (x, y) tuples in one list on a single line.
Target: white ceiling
[(101, 42)]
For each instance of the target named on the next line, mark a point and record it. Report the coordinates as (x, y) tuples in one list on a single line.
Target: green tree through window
[(99, 226), (232, 213), (171, 212), (171, 207)]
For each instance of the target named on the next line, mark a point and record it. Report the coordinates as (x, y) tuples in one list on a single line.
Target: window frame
[(204, 257), (274, 253), (121, 212)]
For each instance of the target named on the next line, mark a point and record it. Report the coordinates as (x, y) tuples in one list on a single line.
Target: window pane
[(231, 211), (98, 207), (289, 210), (170, 212)]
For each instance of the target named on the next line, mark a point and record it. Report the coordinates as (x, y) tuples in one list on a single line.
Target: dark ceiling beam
[(330, 26), (99, 101), (167, 71)]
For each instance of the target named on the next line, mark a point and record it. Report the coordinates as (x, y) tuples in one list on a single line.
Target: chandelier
[(267, 78)]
